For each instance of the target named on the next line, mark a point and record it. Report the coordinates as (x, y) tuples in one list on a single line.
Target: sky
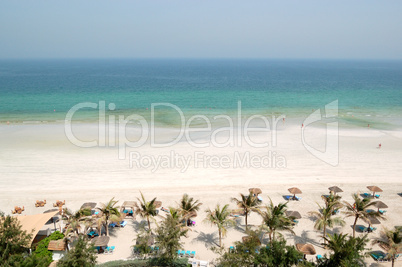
[(359, 29)]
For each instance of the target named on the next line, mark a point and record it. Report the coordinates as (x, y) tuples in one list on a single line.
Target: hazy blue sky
[(206, 29)]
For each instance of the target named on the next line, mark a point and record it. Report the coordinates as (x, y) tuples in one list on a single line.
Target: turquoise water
[(44, 90)]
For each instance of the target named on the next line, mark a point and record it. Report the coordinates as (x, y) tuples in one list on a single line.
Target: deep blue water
[(44, 90)]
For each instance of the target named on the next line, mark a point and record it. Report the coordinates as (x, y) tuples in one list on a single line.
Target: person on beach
[(379, 146)]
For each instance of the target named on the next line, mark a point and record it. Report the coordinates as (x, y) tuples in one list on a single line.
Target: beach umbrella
[(88, 205), (374, 189), (294, 191), (306, 249), (51, 210), (294, 214), (100, 241), (373, 220), (381, 205), (335, 189), (255, 191), (158, 204)]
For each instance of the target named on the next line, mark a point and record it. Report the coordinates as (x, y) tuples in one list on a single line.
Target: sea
[(368, 92)]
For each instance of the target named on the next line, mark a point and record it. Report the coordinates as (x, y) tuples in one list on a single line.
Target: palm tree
[(168, 235), (74, 220), (247, 203), (334, 200), (110, 212), (346, 250), (324, 218), (391, 242), (359, 210), (220, 217), (146, 209), (188, 205), (275, 219)]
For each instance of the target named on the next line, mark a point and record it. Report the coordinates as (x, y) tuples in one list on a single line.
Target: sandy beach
[(39, 162)]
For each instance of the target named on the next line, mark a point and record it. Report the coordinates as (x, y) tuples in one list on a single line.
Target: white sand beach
[(39, 162)]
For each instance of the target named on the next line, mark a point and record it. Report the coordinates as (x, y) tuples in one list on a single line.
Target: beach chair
[(319, 257), (298, 198), (194, 264), (231, 249), (192, 254), (363, 229), (188, 253), (182, 253), (382, 211), (378, 256), (295, 221), (112, 225), (288, 197), (123, 223), (370, 211)]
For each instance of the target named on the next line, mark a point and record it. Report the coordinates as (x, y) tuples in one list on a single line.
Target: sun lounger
[(378, 256), (123, 223), (192, 254), (113, 225), (188, 253), (363, 228), (182, 253), (367, 195), (319, 257), (382, 211), (289, 197), (194, 264)]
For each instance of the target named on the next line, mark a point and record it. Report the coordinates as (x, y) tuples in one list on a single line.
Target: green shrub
[(41, 250)]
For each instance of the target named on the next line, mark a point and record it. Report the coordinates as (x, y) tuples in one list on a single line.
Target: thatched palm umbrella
[(374, 189), (100, 241), (306, 249), (255, 191), (335, 189), (88, 205), (294, 191), (293, 213), (373, 220), (380, 205)]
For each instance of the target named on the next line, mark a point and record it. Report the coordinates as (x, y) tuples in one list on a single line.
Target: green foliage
[(110, 212), (168, 236), (220, 218), (13, 241), (324, 217), (146, 209), (128, 263), (142, 239), (391, 242), (182, 262), (359, 210), (247, 203), (42, 251), (188, 205), (347, 251), (160, 261), (82, 255), (250, 254), (275, 219)]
